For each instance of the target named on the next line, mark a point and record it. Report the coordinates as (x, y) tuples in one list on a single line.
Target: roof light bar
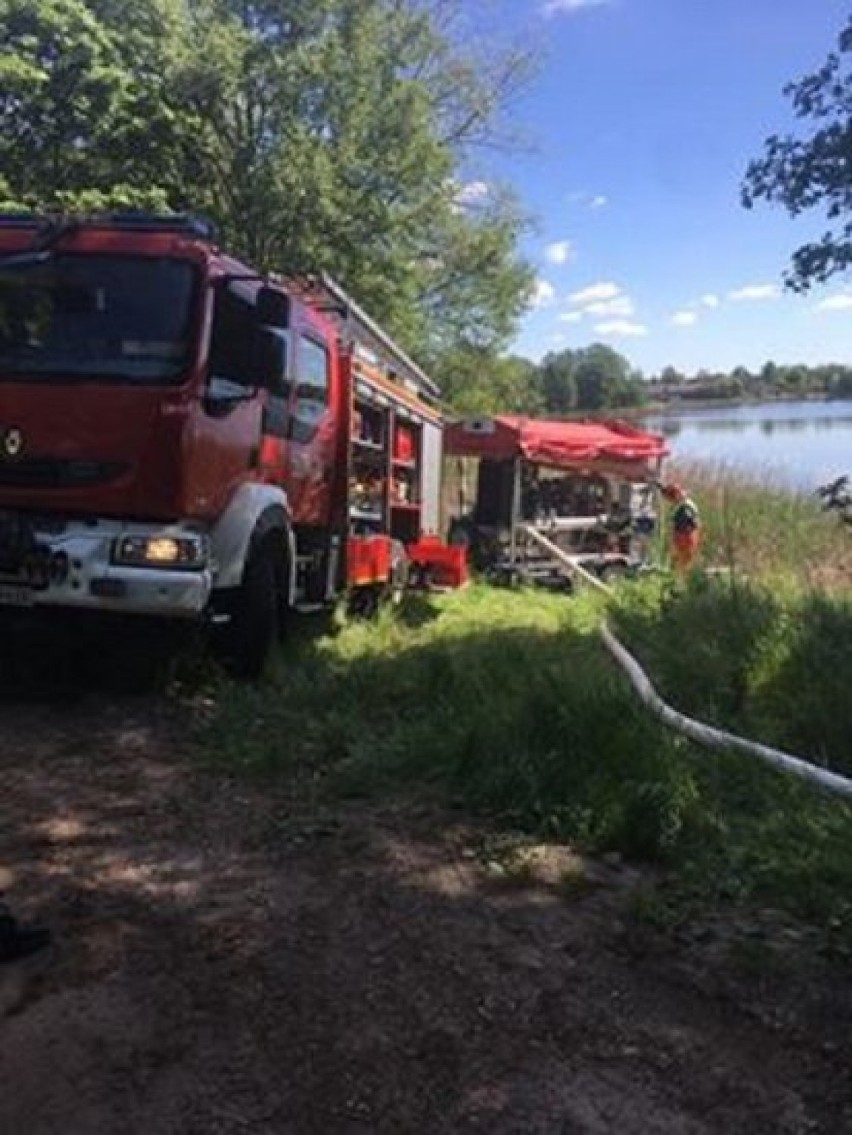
[(132, 221)]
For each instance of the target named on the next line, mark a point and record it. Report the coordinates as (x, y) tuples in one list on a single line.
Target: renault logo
[(13, 443)]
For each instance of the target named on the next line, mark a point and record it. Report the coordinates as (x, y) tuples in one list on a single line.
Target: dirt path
[(223, 965)]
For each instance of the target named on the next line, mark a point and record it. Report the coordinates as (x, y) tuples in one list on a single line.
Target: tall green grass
[(763, 647), (506, 704), (757, 529), (772, 663), (503, 700)]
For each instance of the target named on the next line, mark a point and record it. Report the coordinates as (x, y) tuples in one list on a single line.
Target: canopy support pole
[(516, 510)]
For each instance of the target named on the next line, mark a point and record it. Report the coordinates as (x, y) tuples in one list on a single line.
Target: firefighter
[(685, 527)]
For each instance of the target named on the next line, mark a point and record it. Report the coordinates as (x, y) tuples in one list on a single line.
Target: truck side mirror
[(272, 307), (270, 360)]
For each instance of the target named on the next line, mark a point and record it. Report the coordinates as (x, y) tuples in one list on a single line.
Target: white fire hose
[(706, 735)]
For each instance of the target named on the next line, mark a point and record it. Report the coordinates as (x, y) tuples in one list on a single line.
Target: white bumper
[(94, 582)]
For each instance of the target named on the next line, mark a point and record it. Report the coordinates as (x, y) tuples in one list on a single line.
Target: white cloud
[(560, 252), (621, 328), (472, 193), (595, 293), (755, 292), (841, 302), (587, 200), (710, 300), (555, 7), (543, 294), (571, 316), (684, 318), (621, 305), (604, 299)]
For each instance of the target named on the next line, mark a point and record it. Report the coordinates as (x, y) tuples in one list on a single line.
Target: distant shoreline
[(680, 406)]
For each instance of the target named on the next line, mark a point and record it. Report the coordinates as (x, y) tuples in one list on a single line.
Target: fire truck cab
[(182, 437)]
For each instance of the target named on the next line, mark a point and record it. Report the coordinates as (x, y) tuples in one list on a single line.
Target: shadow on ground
[(224, 963), (240, 954)]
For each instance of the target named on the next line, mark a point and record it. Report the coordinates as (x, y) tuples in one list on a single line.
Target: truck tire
[(253, 630)]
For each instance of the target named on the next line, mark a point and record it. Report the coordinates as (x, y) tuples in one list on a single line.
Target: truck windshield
[(95, 317)]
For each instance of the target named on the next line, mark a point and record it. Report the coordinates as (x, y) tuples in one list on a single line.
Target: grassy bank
[(769, 663), (505, 704), (504, 701), (764, 647), (761, 532)]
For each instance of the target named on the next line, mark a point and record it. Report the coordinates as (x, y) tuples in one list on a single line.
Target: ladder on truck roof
[(370, 344)]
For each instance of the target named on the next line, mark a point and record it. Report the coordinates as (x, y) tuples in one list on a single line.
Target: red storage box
[(368, 560), (437, 563)]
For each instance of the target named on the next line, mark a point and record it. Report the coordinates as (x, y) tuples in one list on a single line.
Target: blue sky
[(637, 130)]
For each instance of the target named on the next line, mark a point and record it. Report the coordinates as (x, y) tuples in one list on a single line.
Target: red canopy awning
[(566, 445)]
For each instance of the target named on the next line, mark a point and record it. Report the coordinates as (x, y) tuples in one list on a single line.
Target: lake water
[(801, 444)]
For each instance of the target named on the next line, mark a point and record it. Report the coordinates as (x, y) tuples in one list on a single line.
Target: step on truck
[(184, 438)]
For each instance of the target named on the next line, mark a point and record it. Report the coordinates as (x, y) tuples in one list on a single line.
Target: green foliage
[(61, 91), (558, 384), (319, 137), (473, 287), (505, 703), (479, 381), (767, 836), (604, 379), (813, 172), (768, 663), (840, 385), (81, 101), (591, 379), (762, 532), (381, 704), (832, 380)]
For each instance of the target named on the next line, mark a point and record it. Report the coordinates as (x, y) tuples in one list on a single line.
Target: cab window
[(312, 388), (232, 342)]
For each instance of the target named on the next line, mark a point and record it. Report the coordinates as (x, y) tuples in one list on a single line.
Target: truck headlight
[(185, 552)]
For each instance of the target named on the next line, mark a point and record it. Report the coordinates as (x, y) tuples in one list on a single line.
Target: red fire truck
[(182, 437)]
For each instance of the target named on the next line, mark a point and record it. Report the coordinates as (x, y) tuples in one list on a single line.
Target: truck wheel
[(252, 631)]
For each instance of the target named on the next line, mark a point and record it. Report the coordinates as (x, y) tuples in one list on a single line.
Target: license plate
[(15, 596)]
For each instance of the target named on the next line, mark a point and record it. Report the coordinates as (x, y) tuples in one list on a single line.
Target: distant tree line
[(564, 383), (597, 378), (769, 382)]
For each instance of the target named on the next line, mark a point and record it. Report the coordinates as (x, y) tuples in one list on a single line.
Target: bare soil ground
[(225, 962)]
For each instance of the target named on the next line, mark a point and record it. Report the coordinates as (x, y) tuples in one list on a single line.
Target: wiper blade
[(26, 259), (51, 233), (41, 250)]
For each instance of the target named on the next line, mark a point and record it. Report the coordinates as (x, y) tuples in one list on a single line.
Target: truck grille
[(58, 473)]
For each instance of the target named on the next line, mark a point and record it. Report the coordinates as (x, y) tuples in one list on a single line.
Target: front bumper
[(92, 581)]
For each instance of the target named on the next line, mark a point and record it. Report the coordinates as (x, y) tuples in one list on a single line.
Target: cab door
[(312, 448), (224, 428)]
